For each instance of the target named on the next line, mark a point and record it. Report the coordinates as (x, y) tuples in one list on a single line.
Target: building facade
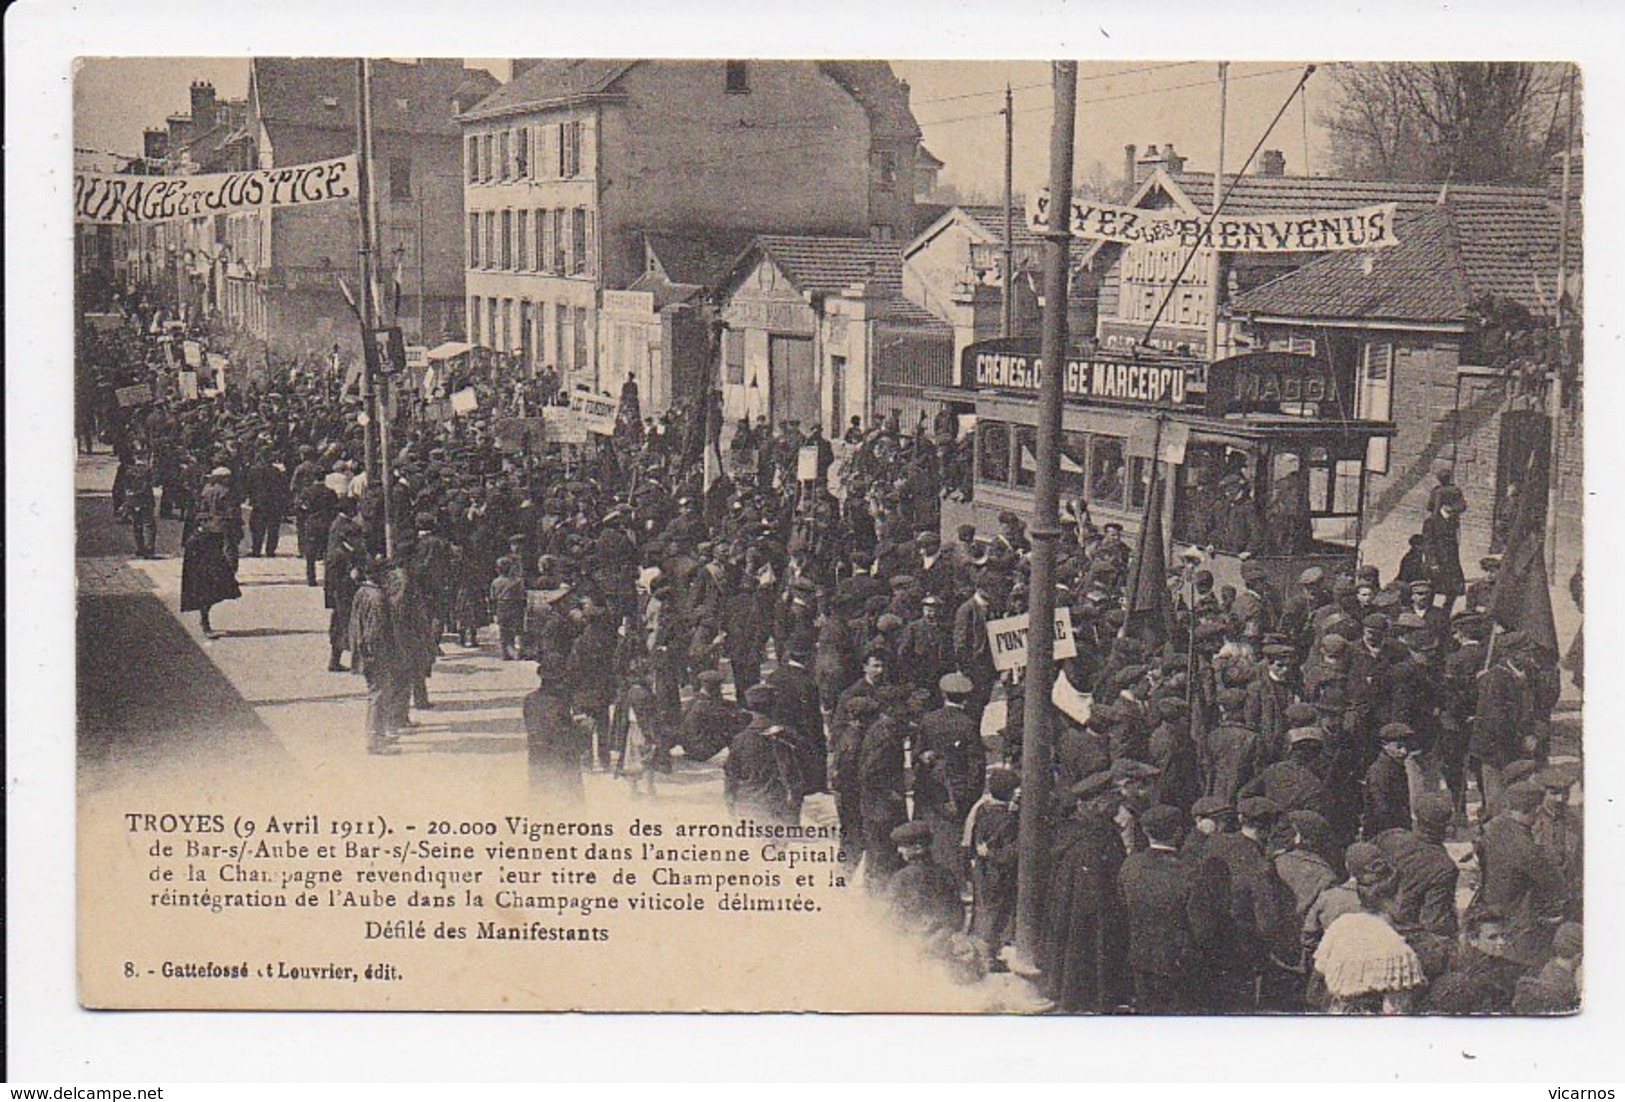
[(816, 330), (285, 267), (571, 165), (954, 270), (1451, 334)]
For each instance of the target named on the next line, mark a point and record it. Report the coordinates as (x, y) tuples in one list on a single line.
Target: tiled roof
[(552, 82), (701, 258), (905, 312), (883, 96), (1290, 194), (320, 92), (1448, 256), (558, 80), (828, 265), (665, 292), (991, 218)]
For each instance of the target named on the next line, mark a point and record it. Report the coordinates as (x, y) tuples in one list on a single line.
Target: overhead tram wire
[(1046, 84), (1114, 98)]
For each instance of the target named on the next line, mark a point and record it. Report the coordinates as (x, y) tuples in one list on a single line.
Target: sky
[(956, 102)]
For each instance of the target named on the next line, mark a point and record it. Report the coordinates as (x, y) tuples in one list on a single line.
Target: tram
[(1256, 455)]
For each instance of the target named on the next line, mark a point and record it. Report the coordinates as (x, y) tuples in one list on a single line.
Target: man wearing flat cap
[(762, 777), (1269, 697), (1261, 906), (710, 722), (1166, 922), (1425, 896), (1521, 881), (1296, 782), (923, 897), (950, 768), (925, 650), (1083, 940), (797, 704), (1504, 719), (1559, 830), (1232, 754)]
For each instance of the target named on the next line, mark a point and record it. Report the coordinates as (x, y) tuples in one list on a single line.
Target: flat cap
[(1312, 576), (1299, 714), (1258, 807), (1525, 797), (1092, 785), (1281, 651), (1520, 770), (1252, 570), (709, 677), (955, 684), (1163, 822), (1559, 777), (1421, 585), (1127, 769), (1305, 734), (1206, 807), (1435, 809), (1396, 732), (1376, 622), (911, 834)]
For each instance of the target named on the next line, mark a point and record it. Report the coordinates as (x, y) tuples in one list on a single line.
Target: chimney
[(1172, 161), (1146, 164), (1272, 162), (202, 107), (154, 144), (1128, 168)]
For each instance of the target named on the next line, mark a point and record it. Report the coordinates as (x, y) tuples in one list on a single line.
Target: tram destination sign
[(1016, 365)]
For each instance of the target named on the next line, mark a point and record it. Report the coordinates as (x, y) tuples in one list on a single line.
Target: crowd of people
[(1251, 796)]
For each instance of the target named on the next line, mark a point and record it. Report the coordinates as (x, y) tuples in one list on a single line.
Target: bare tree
[(1451, 120)]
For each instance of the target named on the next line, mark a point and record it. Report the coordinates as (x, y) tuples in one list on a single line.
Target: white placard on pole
[(1008, 638)]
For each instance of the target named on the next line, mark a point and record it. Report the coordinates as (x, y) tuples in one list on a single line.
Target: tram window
[(1197, 506), (1074, 461), (993, 452), (1026, 456), (1106, 470), (1288, 504)]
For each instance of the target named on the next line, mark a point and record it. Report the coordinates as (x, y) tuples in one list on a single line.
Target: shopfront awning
[(448, 351)]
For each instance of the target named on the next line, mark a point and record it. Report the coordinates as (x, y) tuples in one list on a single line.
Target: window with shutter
[(578, 241), (1375, 399), (473, 155), (522, 232), (521, 155)]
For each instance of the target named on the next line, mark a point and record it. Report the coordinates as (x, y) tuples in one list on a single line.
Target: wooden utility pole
[(1007, 312), (1046, 527), (1554, 397), (377, 434), (1215, 270)]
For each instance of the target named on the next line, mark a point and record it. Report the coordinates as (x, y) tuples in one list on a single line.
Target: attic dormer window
[(330, 101), (738, 76)]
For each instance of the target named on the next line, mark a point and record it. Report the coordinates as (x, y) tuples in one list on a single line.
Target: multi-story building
[(572, 164), (284, 266)]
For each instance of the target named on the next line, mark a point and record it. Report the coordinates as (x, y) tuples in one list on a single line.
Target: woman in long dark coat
[(554, 741), (209, 569), (1085, 933)]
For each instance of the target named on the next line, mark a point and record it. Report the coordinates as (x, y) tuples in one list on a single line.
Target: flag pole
[(1046, 528)]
